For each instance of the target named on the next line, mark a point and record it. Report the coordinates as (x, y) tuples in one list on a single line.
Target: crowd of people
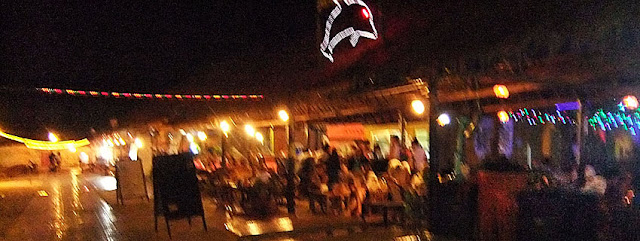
[(340, 183), (613, 185)]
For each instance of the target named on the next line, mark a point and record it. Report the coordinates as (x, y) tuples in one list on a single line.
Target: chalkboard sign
[(175, 189)]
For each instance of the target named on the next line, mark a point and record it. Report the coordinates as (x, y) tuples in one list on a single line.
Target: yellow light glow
[(225, 127), (259, 137), (501, 91), (202, 136), (106, 153), (84, 158), (503, 116), (121, 141), (418, 106), (71, 148), (250, 130), (190, 137), (138, 142), (53, 137), (45, 145), (630, 102), (284, 116), (182, 132), (43, 193)]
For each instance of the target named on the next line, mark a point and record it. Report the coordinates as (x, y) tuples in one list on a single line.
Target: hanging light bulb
[(250, 130), (418, 106), (501, 91), (53, 137), (259, 137), (284, 116), (202, 136), (443, 119), (503, 116), (630, 102)]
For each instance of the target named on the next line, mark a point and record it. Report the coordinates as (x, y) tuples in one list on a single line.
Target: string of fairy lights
[(534, 117), (93, 93)]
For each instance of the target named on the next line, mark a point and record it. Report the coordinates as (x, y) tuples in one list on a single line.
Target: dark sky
[(143, 47), (234, 46)]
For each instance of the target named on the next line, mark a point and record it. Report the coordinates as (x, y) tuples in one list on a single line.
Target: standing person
[(419, 156), (357, 160), (53, 163), (333, 168), (378, 164), (395, 149), (324, 155)]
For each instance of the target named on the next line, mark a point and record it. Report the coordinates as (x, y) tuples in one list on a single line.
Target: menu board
[(130, 179), (175, 188)]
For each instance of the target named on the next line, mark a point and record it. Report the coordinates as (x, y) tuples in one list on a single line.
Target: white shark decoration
[(328, 43)]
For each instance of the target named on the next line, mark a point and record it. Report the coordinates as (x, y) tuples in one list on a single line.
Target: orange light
[(503, 116), (630, 102), (501, 91)]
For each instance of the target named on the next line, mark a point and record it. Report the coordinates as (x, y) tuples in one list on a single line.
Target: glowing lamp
[(202, 136), (501, 91), (138, 143), (190, 137), (630, 102), (53, 137), (443, 119), (284, 116), (418, 107), (503, 116), (259, 137), (195, 149), (225, 127), (84, 158), (250, 130)]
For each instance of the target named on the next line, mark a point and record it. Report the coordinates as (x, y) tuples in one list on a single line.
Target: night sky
[(137, 47), (235, 47)]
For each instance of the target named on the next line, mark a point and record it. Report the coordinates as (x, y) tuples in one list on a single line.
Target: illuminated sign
[(329, 43)]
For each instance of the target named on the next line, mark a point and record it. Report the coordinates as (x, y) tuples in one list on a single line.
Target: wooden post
[(403, 127), (579, 125), (290, 165), (223, 161)]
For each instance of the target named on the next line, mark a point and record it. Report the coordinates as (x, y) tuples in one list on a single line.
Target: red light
[(365, 13)]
